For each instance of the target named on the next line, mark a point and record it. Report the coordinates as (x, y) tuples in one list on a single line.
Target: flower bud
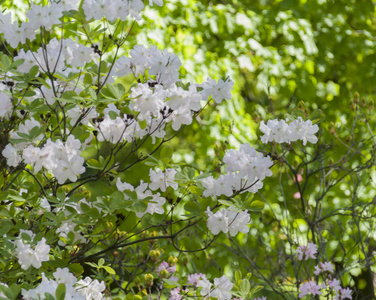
[(66, 188), (144, 292), (356, 97), (163, 273), (172, 261), (370, 104), (148, 278), (154, 255)]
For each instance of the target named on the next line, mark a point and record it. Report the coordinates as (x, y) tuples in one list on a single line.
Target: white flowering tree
[(94, 204)]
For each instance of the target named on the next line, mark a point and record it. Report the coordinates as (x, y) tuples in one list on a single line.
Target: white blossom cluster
[(159, 180), (162, 180), (84, 289), (161, 64), (63, 160), (142, 191), (246, 169), (49, 15), (63, 56), (226, 220), (112, 10), (118, 129), (220, 290), (219, 91), (283, 132), (28, 256)]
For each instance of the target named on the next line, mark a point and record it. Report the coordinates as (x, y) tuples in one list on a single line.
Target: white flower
[(91, 289), (27, 256), (123, 186), (158, 2), (228, 221), (154, 205), (162, 180), (206, 285), (12, 156), (5, 105), (64, 276), (194, 278), (222, 288), (281, 132), (219, 91)]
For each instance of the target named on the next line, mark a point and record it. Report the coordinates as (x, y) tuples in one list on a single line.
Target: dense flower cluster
[(246, 169), (314, 288), (283, 132), (221, 289), (84, 289), (228, 221), (308, 251), (154, 204), (27, 256)]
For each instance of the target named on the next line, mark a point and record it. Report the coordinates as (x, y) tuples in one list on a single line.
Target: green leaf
[(109, 270), (36, 131), (317, 116), (113, 115), (193, 208), (60, 291), (189, 172), (33, 71), (256, 289), (171, 283), (166, 153), (18, 141), (5, 226), (94, 164), (13, 291), (6, 62), (76, 269), (42, 81), (245, 287), (101, 262), (195, 190), (49, 296), (238, 275), (256, 206), (226, 202), (17, 63), (23, 135), (117, 200), (142, 124)]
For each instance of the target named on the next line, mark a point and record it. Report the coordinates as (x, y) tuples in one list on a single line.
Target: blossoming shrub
[(93, 205)]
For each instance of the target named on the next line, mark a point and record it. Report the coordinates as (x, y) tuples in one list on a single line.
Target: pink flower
[(345, 293), (165, 265), (299, 178), (194, 278), (175, 294), (334, 284), (310, 287), (297, 195), (309, 251), (326, 266)]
